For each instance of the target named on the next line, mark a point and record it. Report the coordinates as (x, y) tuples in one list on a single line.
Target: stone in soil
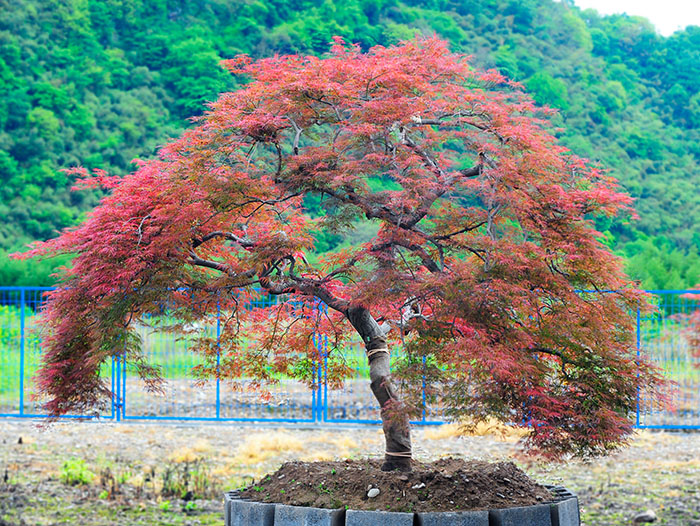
[(645, 516), (448, 484)]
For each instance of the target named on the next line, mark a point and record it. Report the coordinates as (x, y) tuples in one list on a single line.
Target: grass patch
[(491, 428), (260, 447)]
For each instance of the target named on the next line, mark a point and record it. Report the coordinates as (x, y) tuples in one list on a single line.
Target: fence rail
[(659, 338)]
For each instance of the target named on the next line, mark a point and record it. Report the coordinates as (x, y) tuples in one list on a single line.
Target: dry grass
[(646, 438), (260, 447), (202, 448), (490, 428), (332, 446)]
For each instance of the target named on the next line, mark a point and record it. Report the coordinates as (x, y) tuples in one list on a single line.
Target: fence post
[(114, 394), (424, 397), (639, 340), (324, 404), (21, 351), (116, 397), (119, 399), (317, 369), (122, 400), (218, 360)]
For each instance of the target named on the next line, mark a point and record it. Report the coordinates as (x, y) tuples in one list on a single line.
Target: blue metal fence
[(660, 338)]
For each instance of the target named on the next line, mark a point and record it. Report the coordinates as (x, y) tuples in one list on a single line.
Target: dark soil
[(448, 484)]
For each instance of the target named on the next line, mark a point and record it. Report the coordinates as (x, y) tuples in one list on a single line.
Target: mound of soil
[(448, 484)]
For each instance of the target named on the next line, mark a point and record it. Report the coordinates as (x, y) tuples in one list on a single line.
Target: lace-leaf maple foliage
[(483, 237)]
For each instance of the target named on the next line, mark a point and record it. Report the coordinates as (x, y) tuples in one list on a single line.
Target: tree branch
[(457, 232), (297, 135), (196, 260), (418, 250), (564, 359), (445, 180), (244, 242)]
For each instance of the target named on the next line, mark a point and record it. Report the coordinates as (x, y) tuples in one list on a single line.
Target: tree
[(483, 262), (548, 90)]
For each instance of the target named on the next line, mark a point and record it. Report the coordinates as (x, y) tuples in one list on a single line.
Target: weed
[(124, 477), (104, 495), (187, 479), (75, 473), (8, 479), (164, 506)]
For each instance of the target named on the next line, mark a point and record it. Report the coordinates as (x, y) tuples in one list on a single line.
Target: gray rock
[(373, 493), (645, 516), (377, 518)]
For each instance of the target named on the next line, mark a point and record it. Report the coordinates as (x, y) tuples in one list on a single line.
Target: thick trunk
[(394, 420)]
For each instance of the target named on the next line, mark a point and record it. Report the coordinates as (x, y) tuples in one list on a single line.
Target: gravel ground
[(119, 474)]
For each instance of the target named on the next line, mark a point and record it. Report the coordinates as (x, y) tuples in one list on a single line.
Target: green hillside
[(99, 83)]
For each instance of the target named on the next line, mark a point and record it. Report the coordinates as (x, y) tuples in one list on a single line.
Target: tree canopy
[(481, 250)]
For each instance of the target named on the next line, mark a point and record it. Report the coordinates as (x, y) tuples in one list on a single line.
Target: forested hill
[(100, 82)]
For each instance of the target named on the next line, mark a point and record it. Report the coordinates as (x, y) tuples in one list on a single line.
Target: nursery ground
[(119, 474)]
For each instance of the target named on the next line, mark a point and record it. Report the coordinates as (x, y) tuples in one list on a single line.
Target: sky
[(666, 15)]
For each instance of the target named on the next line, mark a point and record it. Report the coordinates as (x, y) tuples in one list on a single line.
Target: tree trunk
[(397, 432)]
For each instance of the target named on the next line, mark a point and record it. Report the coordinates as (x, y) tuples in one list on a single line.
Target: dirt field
[(145, 474)]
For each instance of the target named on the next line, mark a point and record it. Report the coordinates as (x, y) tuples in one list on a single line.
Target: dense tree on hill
[(105, 82)]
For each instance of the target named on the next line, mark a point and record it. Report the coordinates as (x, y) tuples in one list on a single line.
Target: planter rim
[(561, 493), (563, 510)]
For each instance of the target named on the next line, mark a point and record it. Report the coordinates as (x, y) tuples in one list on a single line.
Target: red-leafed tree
[(482, 242)]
